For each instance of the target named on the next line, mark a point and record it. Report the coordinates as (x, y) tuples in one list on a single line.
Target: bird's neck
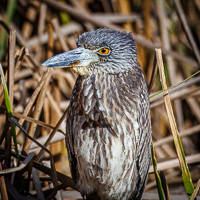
[(107, 93)]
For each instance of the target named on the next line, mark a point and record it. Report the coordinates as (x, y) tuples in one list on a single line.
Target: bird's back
[(109, 135)]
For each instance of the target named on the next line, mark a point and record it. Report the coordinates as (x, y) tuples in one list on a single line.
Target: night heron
[(108, 122)]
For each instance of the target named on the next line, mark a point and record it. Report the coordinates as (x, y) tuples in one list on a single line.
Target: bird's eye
[(103, 51)]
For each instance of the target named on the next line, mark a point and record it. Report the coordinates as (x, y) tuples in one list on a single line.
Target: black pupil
[(103, 51)]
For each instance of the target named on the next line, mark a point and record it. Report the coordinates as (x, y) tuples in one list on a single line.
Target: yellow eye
[(104, 51)]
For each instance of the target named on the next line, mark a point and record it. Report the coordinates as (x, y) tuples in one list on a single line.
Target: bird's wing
[(71, 155), (127, 112), (72, 127), (143, 150)]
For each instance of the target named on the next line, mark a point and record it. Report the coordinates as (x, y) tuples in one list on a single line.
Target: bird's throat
[(83, 70)]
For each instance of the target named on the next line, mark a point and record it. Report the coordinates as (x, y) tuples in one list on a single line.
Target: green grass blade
[(14, 138), (176, 85), (6, 95), (8, 107), (186, 176), (64, 17), (157, 175)]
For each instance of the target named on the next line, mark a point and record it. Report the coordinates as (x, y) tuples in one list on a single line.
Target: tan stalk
[(177, 141)]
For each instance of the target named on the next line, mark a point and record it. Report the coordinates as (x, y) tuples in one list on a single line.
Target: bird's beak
[(76, 58)]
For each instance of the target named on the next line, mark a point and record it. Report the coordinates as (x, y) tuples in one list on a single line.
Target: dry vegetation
[(32, 31)]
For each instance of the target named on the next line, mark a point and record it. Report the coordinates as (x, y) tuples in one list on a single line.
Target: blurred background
[(32, 31)]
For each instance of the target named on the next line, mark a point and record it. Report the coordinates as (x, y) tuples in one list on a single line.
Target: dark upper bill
[(76, 57)]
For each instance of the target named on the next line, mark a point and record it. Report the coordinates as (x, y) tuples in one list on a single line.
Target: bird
[(108, 126)]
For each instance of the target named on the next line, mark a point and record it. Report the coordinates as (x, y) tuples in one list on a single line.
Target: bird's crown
[(99, 51)]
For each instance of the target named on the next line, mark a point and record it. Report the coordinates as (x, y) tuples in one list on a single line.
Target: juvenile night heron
[(108, 122)]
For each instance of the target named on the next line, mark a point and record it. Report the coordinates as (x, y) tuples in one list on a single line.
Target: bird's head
[(100, 51)]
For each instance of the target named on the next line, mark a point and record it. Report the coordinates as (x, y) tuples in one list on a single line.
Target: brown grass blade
[(177, 141), (196, 190)]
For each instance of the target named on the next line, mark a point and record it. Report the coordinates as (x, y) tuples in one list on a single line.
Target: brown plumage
[(108, 133)]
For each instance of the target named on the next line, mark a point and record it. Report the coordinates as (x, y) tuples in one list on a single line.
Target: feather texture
[(109, 135)]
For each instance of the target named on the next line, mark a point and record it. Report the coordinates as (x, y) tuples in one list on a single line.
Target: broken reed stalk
[(38, 108), (53, 133), (11, 62), (186, 176), (193, 197), (3, 186), (196, 190), (33, 98)]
